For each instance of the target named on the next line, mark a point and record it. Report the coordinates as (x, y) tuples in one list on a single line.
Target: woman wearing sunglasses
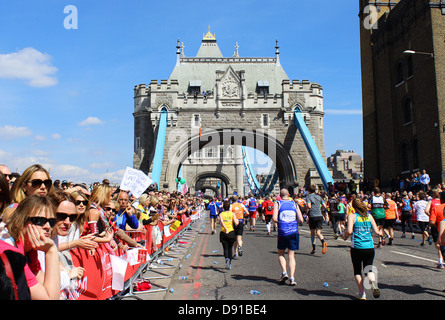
[(35, 180), (97, 218), (74, 237), (30, 228), (66, 215)]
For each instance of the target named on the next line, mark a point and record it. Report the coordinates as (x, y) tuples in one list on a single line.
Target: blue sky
[(66, 95)]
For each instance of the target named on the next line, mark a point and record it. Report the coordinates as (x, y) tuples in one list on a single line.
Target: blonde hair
[(101, 194), (360, 207), (30, 206), (18, 195), (142, 199)]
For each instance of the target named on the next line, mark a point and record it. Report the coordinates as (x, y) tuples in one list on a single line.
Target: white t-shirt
[(419, 209)]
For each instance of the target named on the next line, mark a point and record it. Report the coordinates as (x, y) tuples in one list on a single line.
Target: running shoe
[(314, 251), (362, 296), (430, 240), (283, 278), (375, 290), (240, 251), (228, 264), (293, 282), (325, 247)]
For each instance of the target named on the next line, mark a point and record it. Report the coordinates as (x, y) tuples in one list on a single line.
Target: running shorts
[(423, 225), (253, 214), (291, 242), (316, 222), (379, 222), (389, 223), (239, 228)]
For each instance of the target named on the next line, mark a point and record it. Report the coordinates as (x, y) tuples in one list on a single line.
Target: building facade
[(218, 104), (346, 165), (403, 87)]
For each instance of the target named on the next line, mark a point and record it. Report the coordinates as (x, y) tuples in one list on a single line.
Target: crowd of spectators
[(41, 220)]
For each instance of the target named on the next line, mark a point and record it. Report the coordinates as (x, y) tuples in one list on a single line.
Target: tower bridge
[(197, 124)]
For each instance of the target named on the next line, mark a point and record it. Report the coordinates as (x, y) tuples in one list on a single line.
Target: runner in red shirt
[(435, 210), (268, 212)]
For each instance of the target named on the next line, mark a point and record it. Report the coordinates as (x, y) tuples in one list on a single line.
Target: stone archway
[(224, 188), (257, 139)]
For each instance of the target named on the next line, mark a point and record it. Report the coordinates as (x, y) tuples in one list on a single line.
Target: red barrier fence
[(97, 282)]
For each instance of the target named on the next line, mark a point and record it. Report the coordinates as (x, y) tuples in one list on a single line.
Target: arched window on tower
[(407, 107), (404, 157)]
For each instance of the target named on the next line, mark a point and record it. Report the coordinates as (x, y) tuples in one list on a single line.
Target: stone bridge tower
[(218, 104)]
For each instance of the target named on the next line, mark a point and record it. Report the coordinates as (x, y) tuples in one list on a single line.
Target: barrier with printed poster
[(100, 278)]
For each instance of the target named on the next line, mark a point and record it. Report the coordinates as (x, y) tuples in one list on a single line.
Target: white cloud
[(344, 112), (28, 64), (56, 136), (39, 138), (10, 132), (90, 121), (102, 165)]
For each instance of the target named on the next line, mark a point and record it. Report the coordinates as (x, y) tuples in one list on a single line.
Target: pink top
[(31, 267)]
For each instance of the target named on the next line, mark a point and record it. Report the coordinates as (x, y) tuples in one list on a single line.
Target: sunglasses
[(62, 216), (41, 221), (36, 183), (109, 209), (84, 202)]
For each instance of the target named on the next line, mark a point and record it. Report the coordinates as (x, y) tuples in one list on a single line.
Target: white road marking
[(413, 256)]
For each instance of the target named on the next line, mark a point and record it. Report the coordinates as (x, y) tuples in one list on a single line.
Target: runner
[(390, 218), (362, 246), (436, 216), (341, 217), (213, 208), (378, 206), (406, 207), (314, 204), (432, 217), (240, 211), (268, 212), (227, 235), (422, 218), (253, 207), (288, 216), (333, 214)]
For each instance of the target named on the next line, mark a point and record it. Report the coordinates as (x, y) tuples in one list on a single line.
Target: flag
[(184, 189)]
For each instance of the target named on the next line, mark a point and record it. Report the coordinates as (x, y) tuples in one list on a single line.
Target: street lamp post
[(417, 52)]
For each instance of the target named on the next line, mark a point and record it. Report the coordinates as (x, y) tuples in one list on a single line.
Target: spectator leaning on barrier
[(121, 238), (74, 237), (30, 227), (97, 220), (126, 214), (65, 214)]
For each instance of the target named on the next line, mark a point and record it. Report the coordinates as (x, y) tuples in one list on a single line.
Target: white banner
[(135, 181)]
